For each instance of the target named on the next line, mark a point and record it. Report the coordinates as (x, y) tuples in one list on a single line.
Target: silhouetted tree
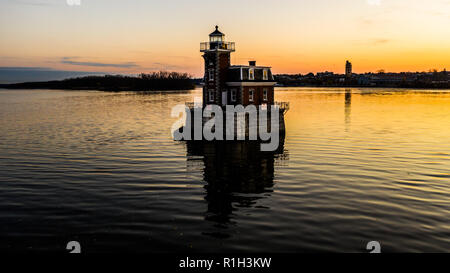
[(162, 80)]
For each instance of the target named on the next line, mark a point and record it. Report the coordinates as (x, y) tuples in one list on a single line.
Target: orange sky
[(292, 36)]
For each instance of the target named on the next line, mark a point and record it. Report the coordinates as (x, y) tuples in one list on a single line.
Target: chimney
[(252, 63)]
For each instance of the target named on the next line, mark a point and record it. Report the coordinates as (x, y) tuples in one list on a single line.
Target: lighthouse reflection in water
[(237, 175)]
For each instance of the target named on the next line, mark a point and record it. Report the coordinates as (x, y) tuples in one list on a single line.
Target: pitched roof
[(216, 32)]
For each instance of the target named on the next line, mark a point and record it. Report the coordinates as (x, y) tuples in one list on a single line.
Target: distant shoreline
[(367, 86), (17, 86), (120, 83), (416, 80), (159, 81)]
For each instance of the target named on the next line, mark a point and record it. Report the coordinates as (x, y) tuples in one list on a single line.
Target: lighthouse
[(227, 84), (244, 95)]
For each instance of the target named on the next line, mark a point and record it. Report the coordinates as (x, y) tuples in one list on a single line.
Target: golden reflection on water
[(357, 165), (387, 130), (426, 115)]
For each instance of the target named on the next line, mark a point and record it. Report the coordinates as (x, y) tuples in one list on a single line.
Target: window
[(265, 94), (251, 73), (233, 95), (211, 75), (265, 75), (250, 95), (211, 95), (215, 39)]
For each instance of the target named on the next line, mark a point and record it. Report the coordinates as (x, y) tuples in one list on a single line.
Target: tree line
[(162, 80)]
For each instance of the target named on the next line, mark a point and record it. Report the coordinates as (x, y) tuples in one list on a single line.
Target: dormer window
[(251, 74), (265, 75)]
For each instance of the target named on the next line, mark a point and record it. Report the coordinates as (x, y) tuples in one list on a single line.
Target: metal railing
[(190, 105), (193, 105), (281, 104), (217, 45)]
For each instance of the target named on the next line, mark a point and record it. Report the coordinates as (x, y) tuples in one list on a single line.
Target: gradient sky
[(292, 36)]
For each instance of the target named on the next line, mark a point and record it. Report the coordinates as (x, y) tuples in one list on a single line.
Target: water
[(357, 165)]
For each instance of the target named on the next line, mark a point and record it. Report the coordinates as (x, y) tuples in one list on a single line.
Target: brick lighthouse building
[(227, 84), (235, 85)]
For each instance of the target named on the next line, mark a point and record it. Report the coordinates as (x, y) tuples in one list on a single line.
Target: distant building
[(325, 74), (348, 69)]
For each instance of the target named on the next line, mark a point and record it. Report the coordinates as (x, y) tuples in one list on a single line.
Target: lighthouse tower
[(217, 56)]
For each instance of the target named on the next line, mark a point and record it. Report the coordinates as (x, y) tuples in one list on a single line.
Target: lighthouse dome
[(216, 36)]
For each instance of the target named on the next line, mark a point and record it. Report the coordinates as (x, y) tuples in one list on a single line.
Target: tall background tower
[(348, 69), (217, 56)]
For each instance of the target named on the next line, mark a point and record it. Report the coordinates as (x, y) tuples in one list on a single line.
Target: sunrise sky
[(292, 36)]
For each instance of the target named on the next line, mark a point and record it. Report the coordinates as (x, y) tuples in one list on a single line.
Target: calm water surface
[(357, 165)]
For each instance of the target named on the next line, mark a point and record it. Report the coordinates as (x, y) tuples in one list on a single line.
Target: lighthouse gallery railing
[(217, 45), (281, 104)]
